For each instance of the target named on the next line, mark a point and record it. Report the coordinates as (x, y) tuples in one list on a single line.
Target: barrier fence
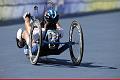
[(12, 9)]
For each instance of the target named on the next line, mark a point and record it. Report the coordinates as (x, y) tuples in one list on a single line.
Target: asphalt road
[(101, 54)]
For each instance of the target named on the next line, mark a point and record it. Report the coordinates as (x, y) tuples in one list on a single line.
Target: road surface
[(101, 54)]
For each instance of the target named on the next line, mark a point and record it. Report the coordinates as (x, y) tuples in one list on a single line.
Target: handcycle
[(49, 43)]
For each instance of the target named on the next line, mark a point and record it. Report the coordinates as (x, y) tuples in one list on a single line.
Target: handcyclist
[(22, 39)]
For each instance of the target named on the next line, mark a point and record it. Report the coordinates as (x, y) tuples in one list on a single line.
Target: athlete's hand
[(27, 14)]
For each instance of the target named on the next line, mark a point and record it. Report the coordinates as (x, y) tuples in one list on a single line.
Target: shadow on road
[(92, 65), (53, 62)]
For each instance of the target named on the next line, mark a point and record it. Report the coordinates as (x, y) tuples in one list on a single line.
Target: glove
[(27, 14)]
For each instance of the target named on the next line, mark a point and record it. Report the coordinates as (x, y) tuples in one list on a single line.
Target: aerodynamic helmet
[(51, 16)]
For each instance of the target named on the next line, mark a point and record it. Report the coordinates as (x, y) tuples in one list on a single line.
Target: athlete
[(50, 17)]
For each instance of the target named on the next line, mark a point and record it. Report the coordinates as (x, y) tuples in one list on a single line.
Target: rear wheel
[(76, 43), (35, 56)]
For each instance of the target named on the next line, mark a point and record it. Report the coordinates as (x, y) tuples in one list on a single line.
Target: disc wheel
[(76, 43), (32, 56)]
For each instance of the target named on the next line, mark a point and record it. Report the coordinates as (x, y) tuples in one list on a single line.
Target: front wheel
[(76, 43), (35, 56)]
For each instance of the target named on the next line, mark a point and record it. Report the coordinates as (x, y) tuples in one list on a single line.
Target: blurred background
[(14, 9)]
